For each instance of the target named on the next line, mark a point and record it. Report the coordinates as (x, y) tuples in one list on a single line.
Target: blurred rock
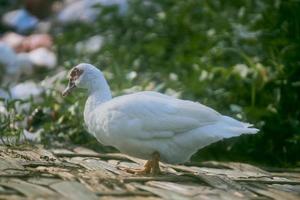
[(25, 90), (91, 45), (22, 91), (35, 41), (7, 56), (24, 63), (31, 136), (44, 26), (21, 20), (86, 10), (43, 57), (14, 40), (25, 44), (25, 137), (3, 95), (14, 64)]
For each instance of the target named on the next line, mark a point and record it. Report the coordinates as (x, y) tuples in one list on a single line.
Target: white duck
[(150, 125)]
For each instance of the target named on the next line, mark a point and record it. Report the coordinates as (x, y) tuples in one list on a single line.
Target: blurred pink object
[(13, 40), (36, 41), (26, 44)]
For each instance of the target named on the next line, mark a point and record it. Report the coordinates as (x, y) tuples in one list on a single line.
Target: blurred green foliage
[(240, 57)]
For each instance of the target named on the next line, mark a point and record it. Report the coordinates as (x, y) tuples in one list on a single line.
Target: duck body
[(150, 125), (139, 124)]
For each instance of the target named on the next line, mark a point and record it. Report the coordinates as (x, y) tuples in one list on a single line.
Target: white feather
[(139, 124)]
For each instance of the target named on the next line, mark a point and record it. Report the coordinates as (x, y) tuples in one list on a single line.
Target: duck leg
[(150, 167), (155, 170), (144, 171)]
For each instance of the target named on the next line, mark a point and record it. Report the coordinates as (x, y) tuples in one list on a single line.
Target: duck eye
[(75, 73)]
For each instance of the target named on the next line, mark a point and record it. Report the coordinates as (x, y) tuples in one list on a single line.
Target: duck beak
[(69, 89)]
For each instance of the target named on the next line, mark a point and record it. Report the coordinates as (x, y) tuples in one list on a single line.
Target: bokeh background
[(241, 57)]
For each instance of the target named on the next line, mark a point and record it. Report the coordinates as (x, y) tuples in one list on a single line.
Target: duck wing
[(150, 115)]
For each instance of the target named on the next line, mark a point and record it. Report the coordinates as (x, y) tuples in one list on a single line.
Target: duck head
[(81, 76)]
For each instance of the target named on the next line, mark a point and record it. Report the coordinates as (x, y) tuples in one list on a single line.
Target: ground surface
[(79, 173)]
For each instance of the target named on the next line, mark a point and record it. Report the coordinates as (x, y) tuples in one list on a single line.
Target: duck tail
[(234, 127)]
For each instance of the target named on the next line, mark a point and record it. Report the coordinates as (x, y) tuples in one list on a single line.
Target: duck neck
[(99, 92)]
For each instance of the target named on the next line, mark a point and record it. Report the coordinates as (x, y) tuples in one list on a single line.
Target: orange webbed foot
[(150, 167)]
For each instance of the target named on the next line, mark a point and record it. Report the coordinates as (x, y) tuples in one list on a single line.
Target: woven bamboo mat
[(80, 173)]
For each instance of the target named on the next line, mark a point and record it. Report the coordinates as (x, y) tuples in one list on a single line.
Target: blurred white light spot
[(203, 76), (131, 75), (241, 69), (161, 15), (173, 76), (235, 108), (211, 32)]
